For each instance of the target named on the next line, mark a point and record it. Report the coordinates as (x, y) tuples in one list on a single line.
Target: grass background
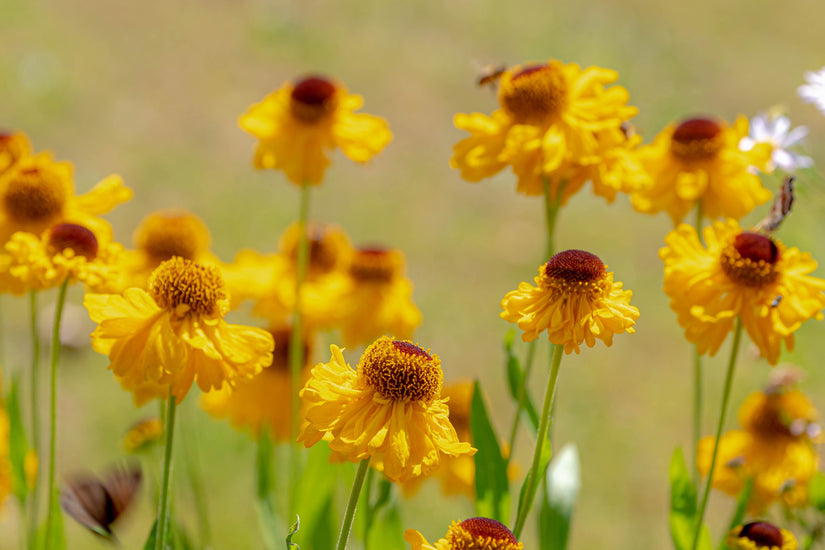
[(152, 91)]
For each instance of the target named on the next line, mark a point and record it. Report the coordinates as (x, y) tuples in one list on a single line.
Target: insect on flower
[(97, 503)]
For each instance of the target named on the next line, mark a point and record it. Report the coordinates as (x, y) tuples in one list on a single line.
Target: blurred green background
[(152, 90)]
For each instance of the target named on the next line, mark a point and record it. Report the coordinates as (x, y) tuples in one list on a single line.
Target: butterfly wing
[(87, 501), (122, 485)]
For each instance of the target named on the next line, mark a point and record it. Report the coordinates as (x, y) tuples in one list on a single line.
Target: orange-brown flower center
[(481, 534), (34, 195), (182, 286), (750, 260), (401, 371), (327, 246), (376, 265), (280, 357), (312, 98), (535, 94), (762, 534), (697, 139), (68, 236), (169, 233)]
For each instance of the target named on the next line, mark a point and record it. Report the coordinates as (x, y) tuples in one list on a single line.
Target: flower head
[(470, 534), (37, 192), (143, 435), (263, 401), (390, 409), (775, 448), (378, 298), (298, 123), (13, 147), (699, 161), (556, 123), (813, 91), (174, 334), (575, 300), (760, 535), (739, 274), (64, 251), (775, 131)]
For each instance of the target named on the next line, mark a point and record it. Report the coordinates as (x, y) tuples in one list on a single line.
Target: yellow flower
[(390, 409), (699, 161), (13, 147), (470, 534), (5, 459), (739, 274), (65, 251), (760, 535), (775, 448), (557, 123), (175, 334), (162, 235), (378, 299), (263, 400), (298, 123), (38, 192), (143, 435), (575, 300)]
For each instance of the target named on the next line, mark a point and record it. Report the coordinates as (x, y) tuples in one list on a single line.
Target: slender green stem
[(737, 337), (194, 473), (522, 395), (369, 513), (34, 501), (346, 526), (551, 212), (166, 481), (544, 425), (52, 495), (296, 347)]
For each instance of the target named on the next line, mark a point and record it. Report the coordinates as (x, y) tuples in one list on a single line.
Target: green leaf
[(294, 528), (816, 491), (57, 540), (153, 535), (544, 460), (18, 444), (492, 485), (315, 489), (683, 507), (561, 489), (387, 532), (515, 379)]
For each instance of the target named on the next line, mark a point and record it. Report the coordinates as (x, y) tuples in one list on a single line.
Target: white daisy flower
[(776, 132), (813, 91)]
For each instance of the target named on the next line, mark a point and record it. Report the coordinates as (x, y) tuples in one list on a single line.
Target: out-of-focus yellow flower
[(263, 400), (6, 486), (699, 161), (143, 435), (37, 192), (162, 235), (740, 274), (390, 409), (760, 535), (378, 298), (13, 147), (775, 447), (299, 123), (175, 334), (481, 533), (557, 123), (31, 468), (575, 300), (65, 251)]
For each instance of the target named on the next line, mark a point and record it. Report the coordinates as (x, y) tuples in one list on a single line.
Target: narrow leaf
[(153, 535), (18, 444), (561, 489), (314, 490), (492, 485), (816, 491), (683, 507), (386, 532), (294, 528), (515, 379)]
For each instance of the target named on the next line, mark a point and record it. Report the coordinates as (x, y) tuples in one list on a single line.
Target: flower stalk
[(541, 437), (34, 501), (357, 484), (166, 480)]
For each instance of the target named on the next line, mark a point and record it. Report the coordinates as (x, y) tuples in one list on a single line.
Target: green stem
[(551, 212), (166, 482), (52, 495), (522, 395), (544, 425), (296, 347), (34, 502), (697, 375), (193, 470), (369, 513), (346, 526), (737, 337)]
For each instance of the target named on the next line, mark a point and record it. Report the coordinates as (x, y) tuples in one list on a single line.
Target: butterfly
[(781, 207), (97, 504)]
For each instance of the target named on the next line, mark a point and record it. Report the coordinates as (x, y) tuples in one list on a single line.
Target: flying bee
[(489, 75)]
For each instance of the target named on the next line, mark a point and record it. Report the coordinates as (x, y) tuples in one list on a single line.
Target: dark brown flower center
[(751, 259), (401, 371), (180, 282), (483, 534), (696, 139), (280, 357), (34, 195), (763, 534), (575, 266), (375, 264), (165, 234), (535, 94), (312, 98), (68, 236)]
